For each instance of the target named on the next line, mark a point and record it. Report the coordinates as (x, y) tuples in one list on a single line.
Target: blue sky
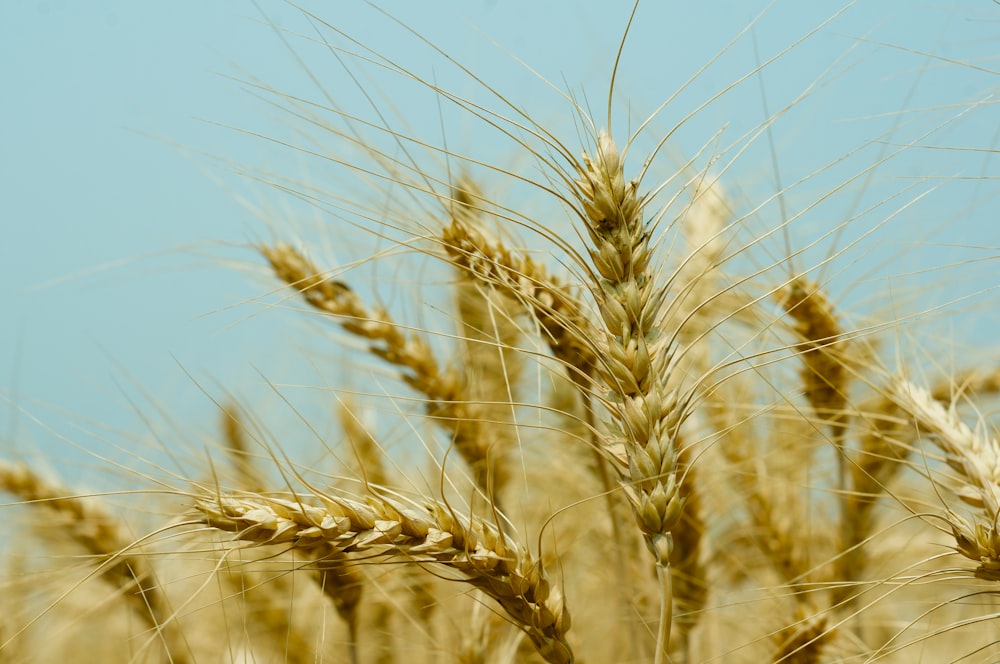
[(125, 265)]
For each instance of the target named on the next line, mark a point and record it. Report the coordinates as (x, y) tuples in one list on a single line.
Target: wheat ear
[(802, 641), (975, 456), (637, 358), (825, 379), (690, 586), (482, 554), (448, 403), (824, 373), (102, 536), (884, 446), (366, 450), (694, 313), (490, 333), (559, 314)]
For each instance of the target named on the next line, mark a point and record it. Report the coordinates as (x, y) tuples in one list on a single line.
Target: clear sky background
[(124, 262)]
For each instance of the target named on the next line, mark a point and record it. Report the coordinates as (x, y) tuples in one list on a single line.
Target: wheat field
[(628, 373)]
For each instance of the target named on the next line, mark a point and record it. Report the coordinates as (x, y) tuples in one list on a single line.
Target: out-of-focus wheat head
[(655, 434)]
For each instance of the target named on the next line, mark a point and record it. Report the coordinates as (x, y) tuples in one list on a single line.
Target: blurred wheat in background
[(604, 383)]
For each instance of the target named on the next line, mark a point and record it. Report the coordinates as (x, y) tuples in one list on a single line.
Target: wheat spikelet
[(234, 435), (340, 583), (886, 440), (259, 589), (367, 452), (414, 583), (884, 448), (690, 584), (703, 299)]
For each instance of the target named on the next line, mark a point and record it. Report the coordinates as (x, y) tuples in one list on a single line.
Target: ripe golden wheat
[(657, 437)]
